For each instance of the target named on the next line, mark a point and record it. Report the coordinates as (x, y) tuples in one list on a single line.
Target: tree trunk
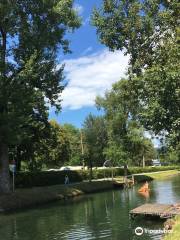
[(5, 186)]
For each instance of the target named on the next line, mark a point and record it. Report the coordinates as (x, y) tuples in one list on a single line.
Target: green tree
[(95, 136), (148, 31), (126, 137), (55, 150), (137, 27), (49, 147), (23, 153), (74, 135), (158, 90), (31, 34), (141, 148)]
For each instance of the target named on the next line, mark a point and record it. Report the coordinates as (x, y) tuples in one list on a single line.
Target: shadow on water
[(98, 216)]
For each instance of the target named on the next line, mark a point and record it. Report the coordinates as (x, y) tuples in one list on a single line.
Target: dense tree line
[(31, 35)]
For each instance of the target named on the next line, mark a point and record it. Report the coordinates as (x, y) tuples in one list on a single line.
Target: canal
[(97, 216)]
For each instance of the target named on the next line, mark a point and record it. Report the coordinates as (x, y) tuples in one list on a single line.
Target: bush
[(142, 178), (31, 179)]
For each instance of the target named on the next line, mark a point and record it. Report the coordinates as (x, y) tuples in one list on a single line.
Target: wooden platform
[(160, 210)]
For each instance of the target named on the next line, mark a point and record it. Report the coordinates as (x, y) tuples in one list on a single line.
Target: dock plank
[(161, 210)]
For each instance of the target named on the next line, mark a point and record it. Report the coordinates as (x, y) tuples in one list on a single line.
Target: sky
[(90, 70)]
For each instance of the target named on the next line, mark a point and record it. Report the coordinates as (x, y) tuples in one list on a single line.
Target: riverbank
[(163, 174), (175, 234), (31, 197)]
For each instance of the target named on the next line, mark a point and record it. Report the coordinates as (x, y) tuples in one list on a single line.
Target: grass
[(163, 174), (175, 235)]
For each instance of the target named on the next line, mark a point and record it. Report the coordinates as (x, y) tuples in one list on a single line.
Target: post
[(143, 161), (133, 179), (13, 182), (112, 174), (125, 176), (12, 168)]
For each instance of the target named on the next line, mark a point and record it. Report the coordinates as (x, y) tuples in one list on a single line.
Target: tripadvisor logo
[(139, 231)]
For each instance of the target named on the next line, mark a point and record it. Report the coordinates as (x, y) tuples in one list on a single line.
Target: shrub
[(44, 178), (31, 179)]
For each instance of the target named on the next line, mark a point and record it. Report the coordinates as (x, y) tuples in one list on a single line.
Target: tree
[(54, 150), (73, 135), (31, 34), (148, 31), (24, 152), (95, 136), (126, 137), (141, 148), (137, 27), (158, 92)]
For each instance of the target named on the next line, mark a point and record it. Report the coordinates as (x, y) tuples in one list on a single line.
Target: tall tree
[(126, 137), (137, 27), (31, 34), (74, 137), (54, 150), (149, 32), (95, 136)]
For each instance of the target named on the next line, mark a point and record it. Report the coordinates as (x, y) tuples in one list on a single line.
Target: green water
[(97, 216)]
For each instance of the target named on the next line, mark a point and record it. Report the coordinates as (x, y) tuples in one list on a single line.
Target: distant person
[(66, 181)]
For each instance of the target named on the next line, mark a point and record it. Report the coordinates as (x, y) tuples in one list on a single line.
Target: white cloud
[(90, 76), (78, 8)]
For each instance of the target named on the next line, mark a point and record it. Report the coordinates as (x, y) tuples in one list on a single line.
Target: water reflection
[(99, 216), (145, 194)]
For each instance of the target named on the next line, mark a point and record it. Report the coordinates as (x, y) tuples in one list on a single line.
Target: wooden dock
[(157, 210)]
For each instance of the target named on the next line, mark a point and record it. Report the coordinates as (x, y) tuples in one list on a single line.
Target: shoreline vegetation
[(175, 234), (31, 197)]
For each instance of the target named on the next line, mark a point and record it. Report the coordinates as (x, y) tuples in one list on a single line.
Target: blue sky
[(90, 69)]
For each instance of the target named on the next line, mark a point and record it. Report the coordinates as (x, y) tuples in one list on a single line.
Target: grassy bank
[(175, 235), (163, 174)]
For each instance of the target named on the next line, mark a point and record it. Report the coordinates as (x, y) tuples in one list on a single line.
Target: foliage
[(28, 70), (148, 32), (45, 178), (31, 179), (175, 234), (159, 95), (95, 136), (54, 150), (31, 34), (50, 147), (137, 27), (126, 137), (73, 135)]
